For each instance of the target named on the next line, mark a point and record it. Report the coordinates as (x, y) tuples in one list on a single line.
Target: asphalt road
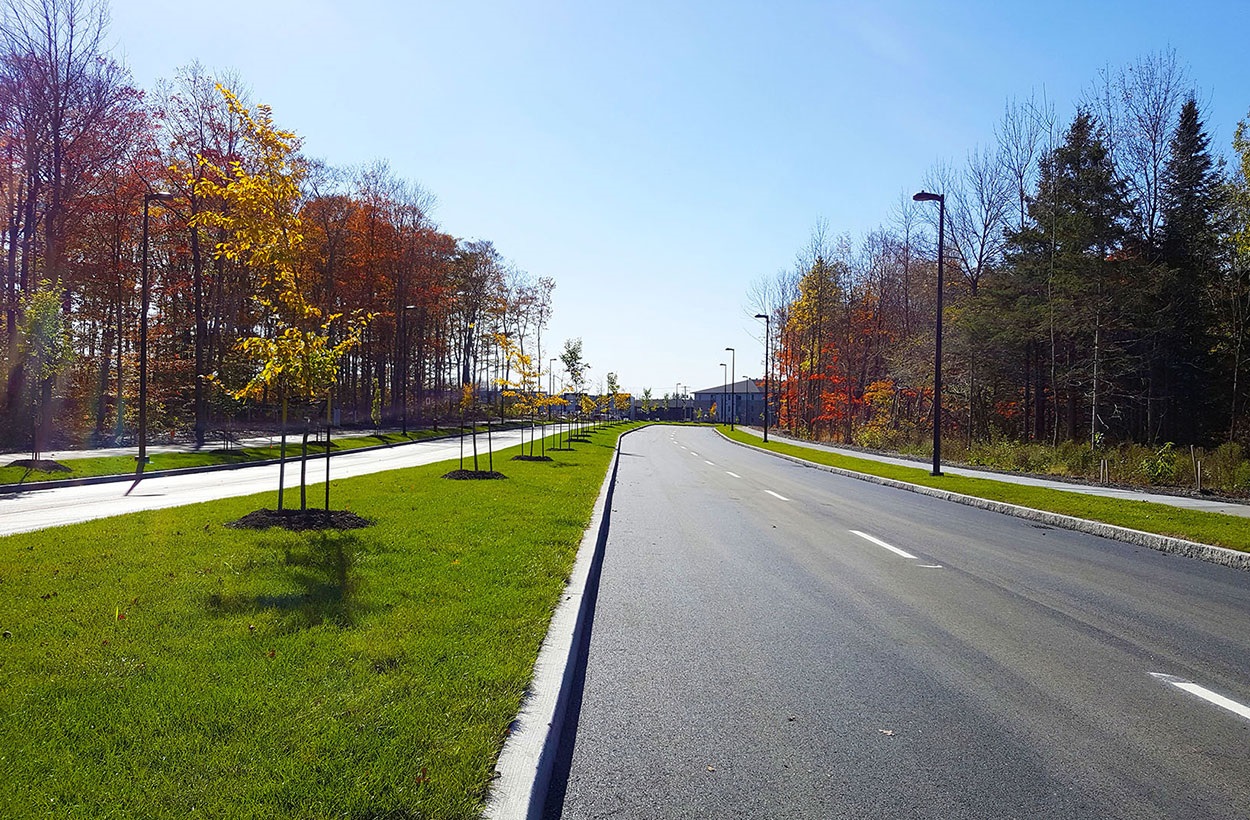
[(775, 641), (34, 509)]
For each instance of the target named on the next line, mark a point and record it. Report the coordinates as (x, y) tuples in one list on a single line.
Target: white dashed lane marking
[(777, 495), (1204, 693), (881, 543)]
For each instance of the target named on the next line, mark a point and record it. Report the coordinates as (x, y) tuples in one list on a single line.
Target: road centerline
[(881, 543)]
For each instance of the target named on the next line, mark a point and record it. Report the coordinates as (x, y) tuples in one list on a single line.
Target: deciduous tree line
[(1097, 286), (81, 146)]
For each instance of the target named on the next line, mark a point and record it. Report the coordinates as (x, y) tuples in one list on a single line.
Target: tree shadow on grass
[(321, 572)]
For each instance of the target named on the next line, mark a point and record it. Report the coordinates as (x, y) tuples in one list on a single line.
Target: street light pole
[(144, 300), (551, 384), (767, 368), (733, 388), (724, 378), (937, 343), (403, 358)]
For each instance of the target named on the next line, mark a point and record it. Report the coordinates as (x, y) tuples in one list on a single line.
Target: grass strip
[(89, 467), (160, 664), (1216, 529)]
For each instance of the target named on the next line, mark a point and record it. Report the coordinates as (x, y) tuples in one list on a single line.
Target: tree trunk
[(282, 456)]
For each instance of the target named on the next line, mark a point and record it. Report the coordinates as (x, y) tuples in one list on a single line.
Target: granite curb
[(1163, 543), (524, 768)]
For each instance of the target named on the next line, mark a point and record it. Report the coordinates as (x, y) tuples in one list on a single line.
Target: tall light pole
[(767, 368), (144, 300), (724, 377), (550, 384), (733, 388), (677, 399), (937, 342), (403, 359)]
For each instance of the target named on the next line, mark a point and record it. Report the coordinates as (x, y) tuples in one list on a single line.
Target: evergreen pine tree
[(1068, 266), (1183, 377)]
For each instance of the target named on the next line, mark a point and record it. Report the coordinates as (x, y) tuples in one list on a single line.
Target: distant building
[(743, 400)]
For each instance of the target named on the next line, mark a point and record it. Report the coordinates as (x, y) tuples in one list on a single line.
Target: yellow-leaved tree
[(524, 390), (296, 354)]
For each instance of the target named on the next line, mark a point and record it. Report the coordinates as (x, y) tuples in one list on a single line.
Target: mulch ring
[(473, 475), (300, 520), (531, 458), (43, 465)]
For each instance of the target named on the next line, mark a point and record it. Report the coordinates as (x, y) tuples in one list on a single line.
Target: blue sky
[(657, 157)]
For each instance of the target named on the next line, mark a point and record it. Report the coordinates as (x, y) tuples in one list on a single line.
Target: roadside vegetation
[(1224, 469), (1203, 527), (163, 664)]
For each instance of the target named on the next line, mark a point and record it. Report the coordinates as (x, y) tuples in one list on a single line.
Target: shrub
[(1161, 468)]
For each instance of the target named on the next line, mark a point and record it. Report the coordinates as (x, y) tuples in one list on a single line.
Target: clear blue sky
[(657, 157)]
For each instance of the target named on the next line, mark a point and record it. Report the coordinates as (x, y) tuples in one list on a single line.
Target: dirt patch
[(43, 465), (531, 458), (299, 520), (473, 475)]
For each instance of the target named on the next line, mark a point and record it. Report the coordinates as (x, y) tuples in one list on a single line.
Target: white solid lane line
[(881, 543), (1204, 693), (777, 495), (735, 475)]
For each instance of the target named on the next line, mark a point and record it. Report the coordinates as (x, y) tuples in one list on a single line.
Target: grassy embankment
[(161, 664), (1204, 527)]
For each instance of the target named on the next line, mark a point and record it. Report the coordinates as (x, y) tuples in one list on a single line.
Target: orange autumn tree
[(294, 356)]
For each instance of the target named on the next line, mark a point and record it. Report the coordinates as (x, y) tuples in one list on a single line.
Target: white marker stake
[(1204, 693), (881, 543), (777, 495)]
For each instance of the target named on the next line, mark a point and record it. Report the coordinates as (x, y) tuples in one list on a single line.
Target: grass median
[(1193, 525), (161, 664)]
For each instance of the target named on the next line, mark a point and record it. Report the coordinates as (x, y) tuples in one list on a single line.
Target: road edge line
[(529, 753), (1223, 556)]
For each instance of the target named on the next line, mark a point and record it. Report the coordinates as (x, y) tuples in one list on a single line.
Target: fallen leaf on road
[(887, 732), (711, 768)]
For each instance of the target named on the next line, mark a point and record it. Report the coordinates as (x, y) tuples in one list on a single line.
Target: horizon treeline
[(1097, 286), (84, 154)]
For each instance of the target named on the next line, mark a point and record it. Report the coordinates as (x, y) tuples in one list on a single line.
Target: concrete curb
[(1162, 543), (529, 754)]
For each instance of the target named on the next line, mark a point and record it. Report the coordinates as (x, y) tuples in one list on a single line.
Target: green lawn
[(87, 467), (163, 665), (1203, 527)]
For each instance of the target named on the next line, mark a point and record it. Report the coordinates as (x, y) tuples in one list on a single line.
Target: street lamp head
[(761, 316), (730, 349), (925, 196), (158, 196)]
